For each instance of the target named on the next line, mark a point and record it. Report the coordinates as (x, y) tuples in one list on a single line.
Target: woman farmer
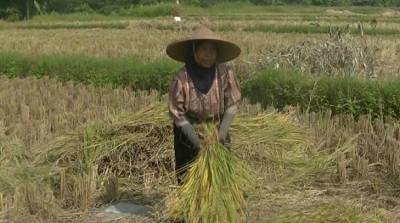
[(203, 90)]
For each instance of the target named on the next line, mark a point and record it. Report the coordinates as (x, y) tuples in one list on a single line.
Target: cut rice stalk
[(212, 190)]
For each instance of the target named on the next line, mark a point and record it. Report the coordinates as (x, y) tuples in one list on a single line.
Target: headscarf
[(202, 77)]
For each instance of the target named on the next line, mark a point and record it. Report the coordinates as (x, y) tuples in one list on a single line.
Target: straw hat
[(227, 50)]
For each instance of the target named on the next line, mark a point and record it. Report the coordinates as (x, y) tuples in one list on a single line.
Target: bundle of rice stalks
[(212, 190)]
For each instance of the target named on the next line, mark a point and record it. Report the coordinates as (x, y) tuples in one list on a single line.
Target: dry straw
[(212, 189), (332, 211), (338, 55), (128, 146), (139, 144)]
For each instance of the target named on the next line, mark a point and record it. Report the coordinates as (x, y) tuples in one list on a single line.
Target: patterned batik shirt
[(186, 103)]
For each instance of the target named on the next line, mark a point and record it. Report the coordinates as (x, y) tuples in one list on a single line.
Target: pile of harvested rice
[(137, 148), (335, 56), (212, 190)]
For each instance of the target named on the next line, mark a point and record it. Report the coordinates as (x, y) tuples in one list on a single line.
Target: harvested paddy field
[(84, 119), (300, 162)]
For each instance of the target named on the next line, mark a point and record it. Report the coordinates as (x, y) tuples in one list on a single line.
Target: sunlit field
[(84, 121)]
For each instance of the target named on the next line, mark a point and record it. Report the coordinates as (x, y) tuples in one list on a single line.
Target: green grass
[(70, 26), (303, 17), (124, 72), (267, 87), (340, 95), (284, 17), (256, 27), (296, 9), (306, 29), (73, 17), (219, 10)]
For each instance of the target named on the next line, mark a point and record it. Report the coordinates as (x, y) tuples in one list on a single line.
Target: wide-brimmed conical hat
[(227, 50)]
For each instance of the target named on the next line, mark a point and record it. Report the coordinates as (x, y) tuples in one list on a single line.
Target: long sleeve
[(227, 120), (232, 92), (232, 96), (177, 111), (176, 103)]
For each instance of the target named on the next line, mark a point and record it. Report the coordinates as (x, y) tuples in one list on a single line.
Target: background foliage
[(14, 10)]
